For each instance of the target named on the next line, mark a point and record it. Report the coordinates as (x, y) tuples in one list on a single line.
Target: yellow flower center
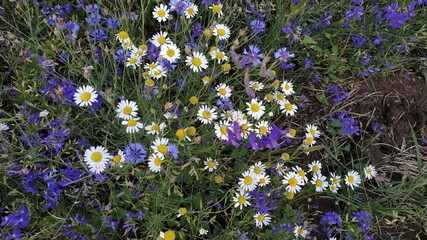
[(242, 200), (270, 97), (261, 217), (161, 40), (281, 97), (206, 79), (149, 82), (221, 32), (315, 169), (211, 164), (162, 148), (190, 11), (300, 231), (207, 32), (293, 132), (288, 107), (132, 60), (132, 123), (194, 100), (182, 211), (262, 180), (222, 91), (350, 179), (245, 128), (96, 157), (332, 188), (248, 180), (301, 173), (255, 86), (292, 182), (368, 171), (158, 161), (263, 130), (152, 65), (226, 67), (161, 13), (287, 87), (170, 52), (219, 55), (285, 156), (180, 133), (335, 180), (310, 140), (216, 8), (170, 235), (143, 47), (191, 131), (127, 110), (138, 53), (206, 114), (290, 195), (117, 158), (318, 183), (218, 179), (254, 107), (223, 130), (196, 62), (155, 128), (85, 96), (312, 132), (257, 170), (123, 35)]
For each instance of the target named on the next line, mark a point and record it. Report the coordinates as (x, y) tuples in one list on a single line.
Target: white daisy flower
[(221, 130), (170, 52), (191, 11), (133, 61), (126, 109), (258, 168), (43, 113), (85, 96), (264, 180), (139, 51), (218, 55), (255, 109), (223, 91), (320, 183), (262, 219), (287, 88), (161, 13), (221, 31), (370, 172), (3, 127), (299, 231), (122, 37), (256, 86), (155, 128), (226, 115), (118, 158), (300, 172), (333, 188), (315, 167), (280, 169), (246, 128), (159, 72), (293, 182), (241, 199), (197, 62), (155, 162), (238, 116), (352, 179), (279, 97), (160, 145), (160, 39), (289, 108), (309, 140), (203, 232), (97, 158), (217, 9), (262, 128), (335, 179), (133, 125), (210, 164), (206, 115), (248, 182), (312, 129)]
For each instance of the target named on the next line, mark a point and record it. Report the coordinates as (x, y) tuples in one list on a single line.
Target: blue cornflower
[(339, 93), (283, 54), (173, 151), (251, 57), (257, 26), (97, 34), (71, 29), (330, 218), (364, 220), (135, 153), (112, 23), (45, 64), (93, 19), (308, 63), (120, 55), (179, 5), (358, 40), (378, 39)]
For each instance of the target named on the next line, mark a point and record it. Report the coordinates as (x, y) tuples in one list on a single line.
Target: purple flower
[(97, 34), (331, 218), (173, 151), (16, 234), (45, 64), (135, 153), (251, 57), (348, 124), (283, 54), (308, 63), (179, 6), (112, 23), (364, 220), (339, 93), (358, 40), (257, 26), (378, 39), (71, 29), (225, 103), (93, 19)]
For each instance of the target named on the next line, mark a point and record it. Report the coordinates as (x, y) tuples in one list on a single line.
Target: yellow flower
[(194, 100)]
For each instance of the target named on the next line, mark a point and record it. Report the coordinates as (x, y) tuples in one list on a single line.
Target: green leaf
[(335, 123), (308, 40), (322, 98)]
